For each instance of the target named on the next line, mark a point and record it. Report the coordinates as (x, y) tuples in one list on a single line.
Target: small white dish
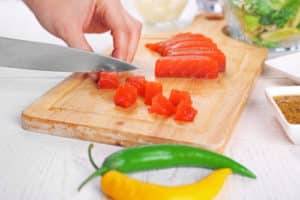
[(292, 130), (288, 65)]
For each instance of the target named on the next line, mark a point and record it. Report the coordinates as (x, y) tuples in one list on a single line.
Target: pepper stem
[(91, 146), (99, 172)]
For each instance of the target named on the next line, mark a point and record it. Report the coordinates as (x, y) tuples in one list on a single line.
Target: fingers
[(74, 38), (124, 29), (78, 41), (120, 41), (135, 28), (126, 37)]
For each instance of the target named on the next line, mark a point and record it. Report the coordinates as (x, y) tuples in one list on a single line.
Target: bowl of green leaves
[(274, 24)]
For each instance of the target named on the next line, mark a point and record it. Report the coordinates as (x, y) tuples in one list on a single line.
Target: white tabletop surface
[(35, 166)]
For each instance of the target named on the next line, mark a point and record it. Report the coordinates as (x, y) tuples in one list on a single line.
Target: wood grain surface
[(76, 108)]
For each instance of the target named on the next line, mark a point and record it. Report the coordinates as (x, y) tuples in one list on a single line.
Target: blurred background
[(272, 24)]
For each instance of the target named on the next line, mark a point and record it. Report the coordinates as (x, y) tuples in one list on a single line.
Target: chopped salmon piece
[(177, 96), (138, 82), (152, 89), (162, 106), (185, 112), (126, 95), (108, 80)]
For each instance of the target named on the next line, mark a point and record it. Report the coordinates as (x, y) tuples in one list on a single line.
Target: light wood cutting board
[(76, 108)]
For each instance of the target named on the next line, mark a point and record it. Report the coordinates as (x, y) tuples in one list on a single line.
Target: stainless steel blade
[(47, 57)]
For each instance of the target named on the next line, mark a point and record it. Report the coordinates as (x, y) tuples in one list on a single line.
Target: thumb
[(77, 40)]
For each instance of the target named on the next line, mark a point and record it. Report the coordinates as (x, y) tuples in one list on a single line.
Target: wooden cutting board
[(76, 108)]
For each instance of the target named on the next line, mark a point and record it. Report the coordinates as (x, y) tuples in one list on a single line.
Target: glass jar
[(156, 11), (274, 24), (164, 15)]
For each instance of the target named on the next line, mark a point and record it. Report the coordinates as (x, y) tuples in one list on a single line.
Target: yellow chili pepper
[(121, 187)]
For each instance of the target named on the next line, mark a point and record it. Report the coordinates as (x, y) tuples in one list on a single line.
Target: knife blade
[(23, 54)]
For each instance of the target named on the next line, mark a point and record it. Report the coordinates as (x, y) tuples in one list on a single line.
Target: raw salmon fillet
[(179, 38), (188, 55), (187, 66), (188, 44), (214, 53)]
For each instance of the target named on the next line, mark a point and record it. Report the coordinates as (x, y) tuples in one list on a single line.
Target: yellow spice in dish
[(290, 107)]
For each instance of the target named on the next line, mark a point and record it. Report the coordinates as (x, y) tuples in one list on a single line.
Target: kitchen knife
[(47, 57)]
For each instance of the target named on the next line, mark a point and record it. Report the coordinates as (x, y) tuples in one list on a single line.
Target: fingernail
[(117, 55)]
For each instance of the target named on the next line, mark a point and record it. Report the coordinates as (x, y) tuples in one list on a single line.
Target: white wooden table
[(34, 166)]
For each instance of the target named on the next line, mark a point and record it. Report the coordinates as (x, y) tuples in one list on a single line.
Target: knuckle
[(139, 25), (124, 30), (136, 27), (64, 30)]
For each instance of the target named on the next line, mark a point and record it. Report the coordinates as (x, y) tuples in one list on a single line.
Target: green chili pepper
[(148, 157)]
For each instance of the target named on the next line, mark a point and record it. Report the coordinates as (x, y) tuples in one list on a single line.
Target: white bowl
[(292, 130), (289, 65)]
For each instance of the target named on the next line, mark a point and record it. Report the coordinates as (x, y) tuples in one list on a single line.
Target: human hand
[(70, 19)]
